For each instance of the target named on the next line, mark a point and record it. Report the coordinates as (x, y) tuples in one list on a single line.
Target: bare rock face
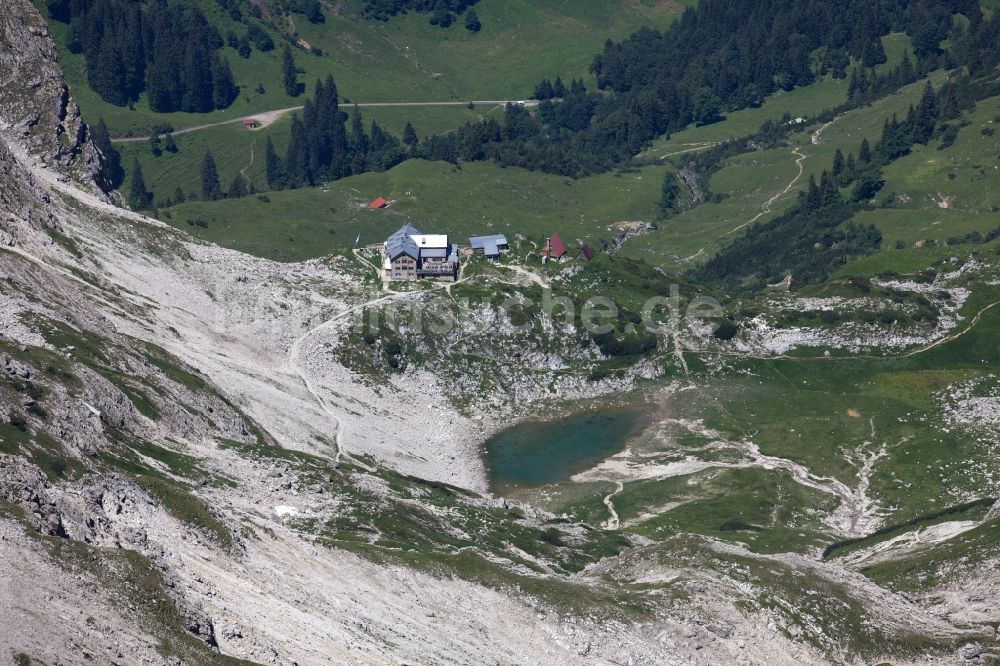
[(36, 107), (22, 204), (994, 513)]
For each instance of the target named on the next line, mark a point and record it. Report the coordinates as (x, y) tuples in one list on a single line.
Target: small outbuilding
[(585, 253), (250, 123), (554, 248), (378, 203), (489, 246)]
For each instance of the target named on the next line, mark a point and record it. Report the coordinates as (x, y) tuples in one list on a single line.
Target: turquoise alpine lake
[(535, 453)]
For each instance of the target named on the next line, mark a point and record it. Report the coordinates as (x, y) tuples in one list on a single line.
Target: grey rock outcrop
[(36, 106)]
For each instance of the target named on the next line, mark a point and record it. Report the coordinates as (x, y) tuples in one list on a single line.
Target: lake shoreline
[(613, 420)]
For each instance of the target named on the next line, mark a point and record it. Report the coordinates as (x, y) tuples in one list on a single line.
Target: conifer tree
[(669, 194), (410, 136), (297, 160), (706, 107), (107, 77), (472, 23), (544, 90), (238, 188), (274, 169), (558, 89), (865, 152), (210, 189), (139, 197), (359, 140), (360, 163), (828, 190), (850, 170), (111, 169), (814, 199), (838, 164), (224, 89), (926, 115), (289, 73)]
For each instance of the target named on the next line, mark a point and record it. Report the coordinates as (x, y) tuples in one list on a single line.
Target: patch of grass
[(187, 508), (750, 179), (954, 183), (179, 464), (753, 506)]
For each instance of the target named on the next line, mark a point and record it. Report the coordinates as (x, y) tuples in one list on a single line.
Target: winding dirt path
[(815, 138), (613, 522), (243, 171), (293, 366), (531, 275), (766, 208)]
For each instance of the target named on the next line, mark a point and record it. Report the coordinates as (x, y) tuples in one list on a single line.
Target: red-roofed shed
[(250, 123), (554, 248), (585, 253), (378, 203)]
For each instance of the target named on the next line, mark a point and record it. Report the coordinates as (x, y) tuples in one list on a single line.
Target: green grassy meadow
[(402, 60), (477, 198)]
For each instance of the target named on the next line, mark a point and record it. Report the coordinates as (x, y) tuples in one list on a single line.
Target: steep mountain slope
[(198, 458)]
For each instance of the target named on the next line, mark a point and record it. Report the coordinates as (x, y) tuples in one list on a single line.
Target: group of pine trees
[(255, 37), (557, 89), (321, 147), (442, 12), (169, 51), (211, 187), (311, 9), (722, 55)]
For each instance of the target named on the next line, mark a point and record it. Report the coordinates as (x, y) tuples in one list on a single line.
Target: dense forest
[(322, 148), (170, 51)]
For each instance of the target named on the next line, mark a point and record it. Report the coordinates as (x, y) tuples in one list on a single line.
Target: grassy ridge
[(970, 510), (939, 563)]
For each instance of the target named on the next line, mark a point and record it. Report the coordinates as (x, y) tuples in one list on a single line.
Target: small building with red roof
[(250, 123), (585, 253), (378, 203), (554, 248)]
